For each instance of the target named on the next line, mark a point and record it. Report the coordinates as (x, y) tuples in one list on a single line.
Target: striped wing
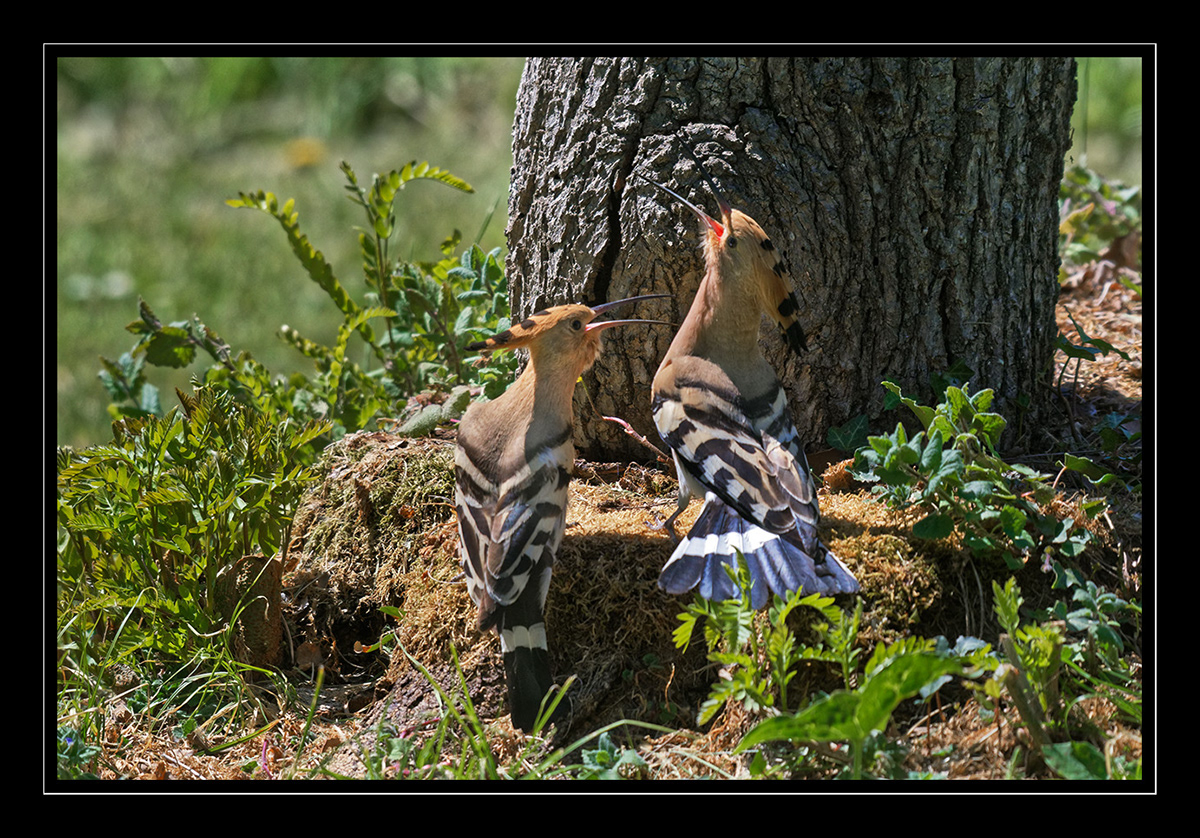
[(760, 499), (510, 533)]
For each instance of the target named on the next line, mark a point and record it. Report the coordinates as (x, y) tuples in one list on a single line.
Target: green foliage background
[(149, 149), (1107, 122)]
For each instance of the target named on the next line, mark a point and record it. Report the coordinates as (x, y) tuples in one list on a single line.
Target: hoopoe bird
[(513, 463), (719, 406)]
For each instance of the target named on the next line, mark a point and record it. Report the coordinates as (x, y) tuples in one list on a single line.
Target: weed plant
[(953, 471), (149, 523)]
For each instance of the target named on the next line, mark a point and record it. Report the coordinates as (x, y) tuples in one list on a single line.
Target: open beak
[(598, 325)]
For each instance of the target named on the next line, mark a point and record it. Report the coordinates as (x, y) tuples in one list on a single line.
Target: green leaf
[(853, 716), (1070, 225), (850, 436), (880, 445), (164, 496), (931, 457), (1084, 466), (924, 414), (1103, 346), (606, 760), (363, 315), (934, 525), (955, 376), (1076, 760), (1072, 351), (910, 452), (309, 432), (982, 400), (1007, 601), (419, 301), (170, 346), (415, 170), (464, 319), (901, 679), (831, 719), (682, 636), (990, 426), (149, 401), (1012, 520), (947, 474), (959, 406), (977, 489)]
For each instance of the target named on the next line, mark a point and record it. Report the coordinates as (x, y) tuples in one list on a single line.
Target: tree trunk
[(915, 198)]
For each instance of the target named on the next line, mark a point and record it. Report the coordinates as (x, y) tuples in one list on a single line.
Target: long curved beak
[(722, 204), (598, 325), (717, 226), (603, 307)]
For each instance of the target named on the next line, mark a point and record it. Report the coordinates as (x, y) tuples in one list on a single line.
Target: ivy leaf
[(850, 436)]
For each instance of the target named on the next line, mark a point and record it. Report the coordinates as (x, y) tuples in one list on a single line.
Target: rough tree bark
[(915, 198)]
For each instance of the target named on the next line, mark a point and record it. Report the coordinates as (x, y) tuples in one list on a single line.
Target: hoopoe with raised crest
[(513, 463), (719, 406)]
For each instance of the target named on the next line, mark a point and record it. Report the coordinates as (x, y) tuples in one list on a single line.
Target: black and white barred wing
[(510, 534), (510, 531), (758, 499)]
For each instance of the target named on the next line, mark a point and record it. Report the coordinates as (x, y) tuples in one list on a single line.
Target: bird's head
[(567, 332), (741, 257)]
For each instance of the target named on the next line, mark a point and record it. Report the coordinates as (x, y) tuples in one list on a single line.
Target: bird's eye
[(731, 242), (577, 325)]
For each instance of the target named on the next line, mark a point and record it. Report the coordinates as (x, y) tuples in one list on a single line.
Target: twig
[(629, 430), (625, 426)]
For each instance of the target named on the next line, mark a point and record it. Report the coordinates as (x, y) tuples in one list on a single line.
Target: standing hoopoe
[(719, 406), (512, 465)]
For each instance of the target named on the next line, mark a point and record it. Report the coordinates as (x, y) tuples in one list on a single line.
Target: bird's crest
[(534, 326)]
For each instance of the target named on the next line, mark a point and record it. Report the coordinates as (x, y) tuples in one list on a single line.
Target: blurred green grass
[(1107, 121), (148, 149)]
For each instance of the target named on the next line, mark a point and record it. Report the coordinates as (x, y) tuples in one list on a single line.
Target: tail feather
[(774, 563), (777, 566), (527, 671)]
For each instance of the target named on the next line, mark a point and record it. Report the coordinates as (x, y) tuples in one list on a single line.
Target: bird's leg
[(669, 524)]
